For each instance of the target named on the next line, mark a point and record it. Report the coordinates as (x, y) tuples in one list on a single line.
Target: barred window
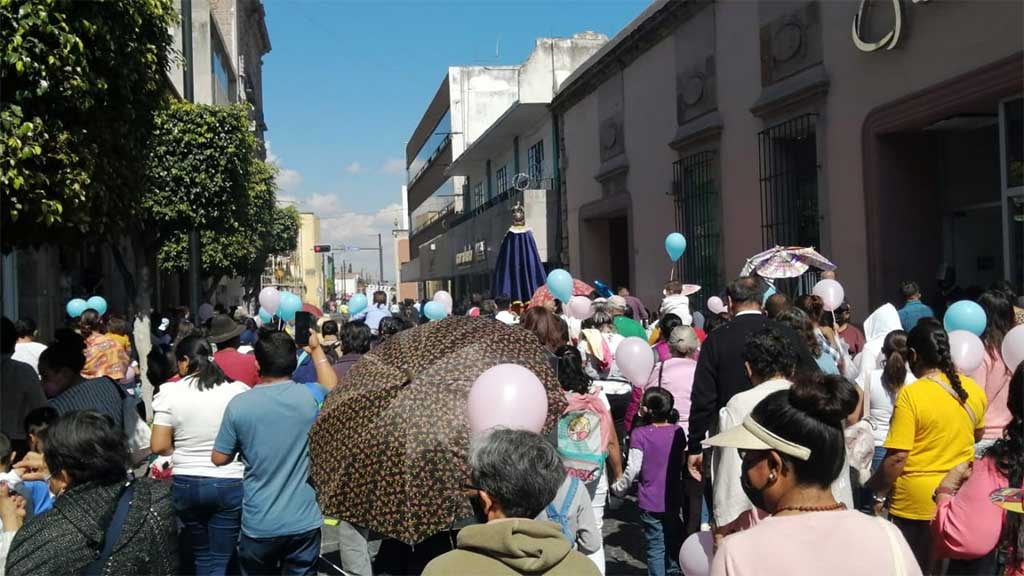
[(695, 190), (501, 177), (535, 162), (789, 189)]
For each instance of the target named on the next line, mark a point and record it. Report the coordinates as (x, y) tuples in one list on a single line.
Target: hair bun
[(829, 399)]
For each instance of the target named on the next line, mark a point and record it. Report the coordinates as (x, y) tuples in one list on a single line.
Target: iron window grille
[(535, 161), (788, 172), (695, 192), (501, 178)]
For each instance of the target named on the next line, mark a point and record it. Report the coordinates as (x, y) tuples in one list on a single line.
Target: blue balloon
[(356, 304), (675, 245), (965, 315), (560, 284), (266, 317), (75, 307), (434, 310), (290, 304), (98, 304)]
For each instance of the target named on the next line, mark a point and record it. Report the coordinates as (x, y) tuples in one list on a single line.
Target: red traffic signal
[(322, 248)]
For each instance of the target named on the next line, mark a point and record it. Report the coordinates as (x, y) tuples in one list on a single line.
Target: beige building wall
[(940, 41), (312, 266)]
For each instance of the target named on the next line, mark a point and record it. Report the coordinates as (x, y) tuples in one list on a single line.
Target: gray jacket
[(581, 517), (67, 538)]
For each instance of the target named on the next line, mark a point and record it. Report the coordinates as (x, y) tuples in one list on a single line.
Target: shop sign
[(464, 257), (891, 38)]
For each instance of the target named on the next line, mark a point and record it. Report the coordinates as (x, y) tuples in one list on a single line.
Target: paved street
[(624, 540)]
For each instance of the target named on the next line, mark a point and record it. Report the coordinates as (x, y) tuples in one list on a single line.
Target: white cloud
[(393, 166), (288, 180), (340, 226), (354, 168)]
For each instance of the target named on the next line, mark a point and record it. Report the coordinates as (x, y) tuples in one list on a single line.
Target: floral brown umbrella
[(390, 446)]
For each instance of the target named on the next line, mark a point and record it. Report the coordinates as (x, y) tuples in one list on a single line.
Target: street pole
[(380, 259), (188, 87)]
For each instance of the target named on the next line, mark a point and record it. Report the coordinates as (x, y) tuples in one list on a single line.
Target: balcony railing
[(432, 217), (509, 193), (430, 160)]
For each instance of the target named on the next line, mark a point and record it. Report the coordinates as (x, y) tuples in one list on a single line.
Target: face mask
[(51, 389), (755, 495)]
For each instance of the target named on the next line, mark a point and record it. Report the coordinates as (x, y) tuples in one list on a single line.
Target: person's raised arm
[(325, 375)]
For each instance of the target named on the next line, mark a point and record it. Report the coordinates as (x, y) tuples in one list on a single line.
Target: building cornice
[(653, 25)]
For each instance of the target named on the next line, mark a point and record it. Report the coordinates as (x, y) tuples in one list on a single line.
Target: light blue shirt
[(912, 312), (269, 427), (373, 314)]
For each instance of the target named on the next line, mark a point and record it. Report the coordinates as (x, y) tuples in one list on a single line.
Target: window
[(695, 190), (222, 77), (478, 194), (789, 188), (501, 177), (535, 162)]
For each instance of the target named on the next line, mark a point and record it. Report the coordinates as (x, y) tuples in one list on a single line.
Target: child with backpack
[(571, 509), (657, 453), (587, 441)]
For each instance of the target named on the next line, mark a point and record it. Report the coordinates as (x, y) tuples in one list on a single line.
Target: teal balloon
[(266, 317), (560, 284), (675, 245), (356, 304), (768, 294), (966, 315), (434, 310), (290, 304), (76, 306), (97, 303)]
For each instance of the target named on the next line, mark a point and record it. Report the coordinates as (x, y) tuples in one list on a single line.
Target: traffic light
[(321, 248)]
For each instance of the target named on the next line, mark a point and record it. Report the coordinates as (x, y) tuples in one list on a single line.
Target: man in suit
[(721, 373)]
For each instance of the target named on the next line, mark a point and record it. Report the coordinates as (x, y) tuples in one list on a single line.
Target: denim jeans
[(295, 554), (211, 510), (660, 560)]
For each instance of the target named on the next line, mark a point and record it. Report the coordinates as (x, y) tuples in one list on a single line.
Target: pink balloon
[(716, 306), (635, 360), (967, 350), (270, 299), (831, 293), (580, 307), (695, 554), (445, 299), (510, 396), (1013, 348)]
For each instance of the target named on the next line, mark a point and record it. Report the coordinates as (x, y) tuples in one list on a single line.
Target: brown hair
[(545, 325), (798, 320), (894, 349), (812, 305), (90, 323)]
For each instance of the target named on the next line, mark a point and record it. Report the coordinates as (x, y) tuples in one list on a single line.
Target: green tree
[(203, 172), (80, 83)]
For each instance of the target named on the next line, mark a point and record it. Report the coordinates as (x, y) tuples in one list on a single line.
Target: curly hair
[(769, 353), (1008, 454), (799, 321), (930, 342)]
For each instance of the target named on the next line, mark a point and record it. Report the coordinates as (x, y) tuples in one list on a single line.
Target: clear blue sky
[(347, 81)]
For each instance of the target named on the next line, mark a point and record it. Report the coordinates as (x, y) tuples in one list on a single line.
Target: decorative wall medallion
[(609, 135), (693, 89), (787, 41)]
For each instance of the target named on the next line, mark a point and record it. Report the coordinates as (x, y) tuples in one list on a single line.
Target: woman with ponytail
[(935, 422), (104, 356), (793, 451), (980, 537), (187, 417), (885, 385)]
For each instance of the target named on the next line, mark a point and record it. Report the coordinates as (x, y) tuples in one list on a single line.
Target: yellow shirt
[(936, 430)]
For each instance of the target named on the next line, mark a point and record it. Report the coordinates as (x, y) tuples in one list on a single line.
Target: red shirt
[(237, 366)]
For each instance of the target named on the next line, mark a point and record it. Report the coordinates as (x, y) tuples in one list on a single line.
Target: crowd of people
[(738, 437)]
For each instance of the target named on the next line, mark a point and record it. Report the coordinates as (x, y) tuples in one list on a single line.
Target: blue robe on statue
[(519, 270)]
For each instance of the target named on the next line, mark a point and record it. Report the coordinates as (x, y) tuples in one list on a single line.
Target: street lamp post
[(188, 87)]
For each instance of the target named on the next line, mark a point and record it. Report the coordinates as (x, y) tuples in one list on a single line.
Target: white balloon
[(1013, 348), (831, 294), (445, 299), (695, 554)]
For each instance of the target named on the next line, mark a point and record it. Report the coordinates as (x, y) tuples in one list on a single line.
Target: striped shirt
[(99, 394)]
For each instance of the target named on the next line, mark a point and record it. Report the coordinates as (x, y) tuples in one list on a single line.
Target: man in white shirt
[(27, 350), (503, 303)]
